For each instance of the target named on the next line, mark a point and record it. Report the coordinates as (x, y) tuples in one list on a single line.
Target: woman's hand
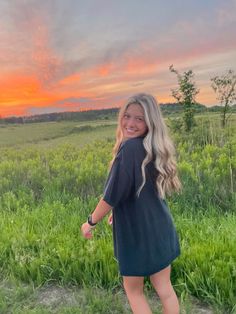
[(86, 230), (110, 219)]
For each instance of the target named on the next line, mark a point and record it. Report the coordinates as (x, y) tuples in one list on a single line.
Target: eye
[(139, 119), (126, 116)]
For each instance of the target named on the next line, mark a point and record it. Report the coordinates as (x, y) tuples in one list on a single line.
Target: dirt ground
[(55, 297)]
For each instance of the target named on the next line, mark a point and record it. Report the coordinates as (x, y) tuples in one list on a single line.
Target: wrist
[(90, 221)]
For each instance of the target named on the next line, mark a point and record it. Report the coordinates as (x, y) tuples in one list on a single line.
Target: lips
[(130, 131)]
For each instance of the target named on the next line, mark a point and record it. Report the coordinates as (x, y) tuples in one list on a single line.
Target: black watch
[(90, 222)]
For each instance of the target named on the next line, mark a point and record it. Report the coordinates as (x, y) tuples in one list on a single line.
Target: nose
[(131, 122)]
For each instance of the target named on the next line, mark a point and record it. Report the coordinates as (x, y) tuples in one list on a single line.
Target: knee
[(164, 290), (132, 289)]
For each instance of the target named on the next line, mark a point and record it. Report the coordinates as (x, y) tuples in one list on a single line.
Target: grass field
[(52, 175), (48, 134)]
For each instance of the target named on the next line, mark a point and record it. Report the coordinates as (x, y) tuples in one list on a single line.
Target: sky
[(58, 55)]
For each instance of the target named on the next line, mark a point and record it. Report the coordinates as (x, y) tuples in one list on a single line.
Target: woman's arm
[(100, 211)]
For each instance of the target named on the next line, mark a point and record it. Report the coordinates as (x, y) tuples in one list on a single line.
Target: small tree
[(225, 88), (185, 95)]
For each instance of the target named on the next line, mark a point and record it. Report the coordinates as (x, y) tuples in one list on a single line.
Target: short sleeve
[(119, 183)]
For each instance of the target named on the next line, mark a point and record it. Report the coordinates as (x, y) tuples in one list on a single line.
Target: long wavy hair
[(158, 146)]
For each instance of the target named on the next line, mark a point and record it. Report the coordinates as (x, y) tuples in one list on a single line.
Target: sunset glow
[(66, 58)]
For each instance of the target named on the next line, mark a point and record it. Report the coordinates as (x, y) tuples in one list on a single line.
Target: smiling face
[(133, 123)]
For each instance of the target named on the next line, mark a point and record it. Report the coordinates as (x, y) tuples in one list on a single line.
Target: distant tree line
[(101, 114)]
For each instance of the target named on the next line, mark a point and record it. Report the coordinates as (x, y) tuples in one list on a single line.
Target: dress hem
[(144, 274)]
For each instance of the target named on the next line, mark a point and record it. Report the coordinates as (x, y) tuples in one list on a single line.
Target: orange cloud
[(19, 91), (16, 87), (72, 79), (105, 69), (141, 66), (12, 111)]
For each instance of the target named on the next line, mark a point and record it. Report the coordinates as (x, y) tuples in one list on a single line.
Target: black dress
[(145, 238)]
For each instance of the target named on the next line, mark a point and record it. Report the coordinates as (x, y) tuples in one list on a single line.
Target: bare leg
[(162, 284), (134, 290)]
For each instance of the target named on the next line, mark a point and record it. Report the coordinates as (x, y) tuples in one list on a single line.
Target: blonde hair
[(157, 143)]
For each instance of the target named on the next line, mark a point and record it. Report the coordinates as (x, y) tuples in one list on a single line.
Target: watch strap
[(90, 222)]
